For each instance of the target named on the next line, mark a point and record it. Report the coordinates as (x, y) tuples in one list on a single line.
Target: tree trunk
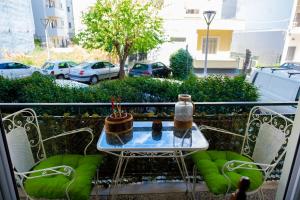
[(122, 67)]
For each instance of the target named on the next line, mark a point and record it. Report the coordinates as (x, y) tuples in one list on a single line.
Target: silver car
[(93, 71), (60, 69), (14, 70)]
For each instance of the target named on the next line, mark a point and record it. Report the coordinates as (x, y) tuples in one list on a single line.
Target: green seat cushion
[(54, 187), (210, 164)]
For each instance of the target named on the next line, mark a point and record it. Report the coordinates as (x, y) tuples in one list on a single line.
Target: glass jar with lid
[(184, 110)]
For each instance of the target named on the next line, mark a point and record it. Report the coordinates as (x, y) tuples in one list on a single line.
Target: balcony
[(145, 177)]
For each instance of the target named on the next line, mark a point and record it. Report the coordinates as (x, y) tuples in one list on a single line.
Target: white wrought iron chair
[(264, 145), (26, 151)]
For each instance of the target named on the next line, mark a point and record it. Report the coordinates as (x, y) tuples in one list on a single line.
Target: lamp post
[(45, 23), (208, 16)]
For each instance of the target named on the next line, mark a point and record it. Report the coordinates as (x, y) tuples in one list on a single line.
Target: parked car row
[(14, 70), (86, 72)]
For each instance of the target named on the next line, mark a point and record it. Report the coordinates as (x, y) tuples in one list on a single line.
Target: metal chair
[(27, 150), (264, 144)]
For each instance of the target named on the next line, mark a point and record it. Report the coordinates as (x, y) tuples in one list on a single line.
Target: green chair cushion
[(54, 187), (210, 164)]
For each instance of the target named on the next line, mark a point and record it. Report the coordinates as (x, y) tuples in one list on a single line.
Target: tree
[(181, 63), (122, 27)]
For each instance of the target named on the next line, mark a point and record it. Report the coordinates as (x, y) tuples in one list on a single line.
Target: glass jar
[(184, 110)]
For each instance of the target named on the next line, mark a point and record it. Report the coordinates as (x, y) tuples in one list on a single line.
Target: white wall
[(267, 45), (265, 21), (16, 26)]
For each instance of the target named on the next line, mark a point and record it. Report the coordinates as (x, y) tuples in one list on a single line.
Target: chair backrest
[(24, 139), (266, 135)]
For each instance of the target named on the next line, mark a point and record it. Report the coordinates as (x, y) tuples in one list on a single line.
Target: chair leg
[(261, 194), (194, 180)]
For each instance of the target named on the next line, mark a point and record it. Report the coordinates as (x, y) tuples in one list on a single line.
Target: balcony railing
[(58, 117)]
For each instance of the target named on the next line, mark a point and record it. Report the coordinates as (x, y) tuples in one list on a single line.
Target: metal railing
[(231, 116)]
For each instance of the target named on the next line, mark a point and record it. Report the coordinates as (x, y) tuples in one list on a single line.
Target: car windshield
[(139, 66), (48, 66)]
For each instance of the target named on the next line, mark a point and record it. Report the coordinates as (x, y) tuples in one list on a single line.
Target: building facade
[(51, 19), (16, 26), (291, 51), (266, 24), (185, 27), (70, 18)]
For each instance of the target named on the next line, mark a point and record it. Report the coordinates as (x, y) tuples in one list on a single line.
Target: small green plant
[(181, 63)]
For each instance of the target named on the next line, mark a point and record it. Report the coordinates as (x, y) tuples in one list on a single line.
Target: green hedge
[(39, 88)]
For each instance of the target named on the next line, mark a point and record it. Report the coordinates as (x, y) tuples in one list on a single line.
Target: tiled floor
[(167, 191), (170, 191)]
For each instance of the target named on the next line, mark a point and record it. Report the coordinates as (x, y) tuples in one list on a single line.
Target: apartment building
[(185, 27), (16, 27), (266, 25), (291, 51), (70, 18), (52, 19)]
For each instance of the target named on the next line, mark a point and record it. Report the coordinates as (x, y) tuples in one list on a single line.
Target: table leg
[(119, 173), (184, 172)]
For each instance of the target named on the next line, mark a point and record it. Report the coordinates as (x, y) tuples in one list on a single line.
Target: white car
[(59, 69), (94, 71), (14, 70), (277, 85)]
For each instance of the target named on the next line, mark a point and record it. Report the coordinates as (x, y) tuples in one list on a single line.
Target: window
[(161, 64), (63, 65), (53, 23), (140, 66), (70, 25), (212, 45), (51, 3), (48, 66), (3, 66), (68, 9), (177, 39), (155, 66), (192, 11), (72, 64), (108, 65), (16, 66), (99, 65), (62, 23)]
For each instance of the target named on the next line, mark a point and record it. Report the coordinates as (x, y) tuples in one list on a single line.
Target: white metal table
[(142, 142)]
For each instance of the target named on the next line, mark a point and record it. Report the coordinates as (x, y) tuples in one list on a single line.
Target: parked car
[(280, 85), (59, 69), (155, 69), (93, 71), (14, 70)]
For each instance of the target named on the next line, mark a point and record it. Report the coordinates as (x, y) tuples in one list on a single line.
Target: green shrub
[(181, 63), (39, 88)]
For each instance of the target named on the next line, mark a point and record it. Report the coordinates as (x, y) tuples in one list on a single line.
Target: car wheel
[(94, 79), (61, 76)]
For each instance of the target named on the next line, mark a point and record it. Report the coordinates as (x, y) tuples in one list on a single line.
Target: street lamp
[(45, 23), (208, 16)]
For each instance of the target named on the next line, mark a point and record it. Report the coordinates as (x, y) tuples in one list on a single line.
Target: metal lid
[(184, 97)]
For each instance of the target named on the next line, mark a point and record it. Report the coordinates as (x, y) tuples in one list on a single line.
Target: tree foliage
[(122, 27), (182, 64)]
